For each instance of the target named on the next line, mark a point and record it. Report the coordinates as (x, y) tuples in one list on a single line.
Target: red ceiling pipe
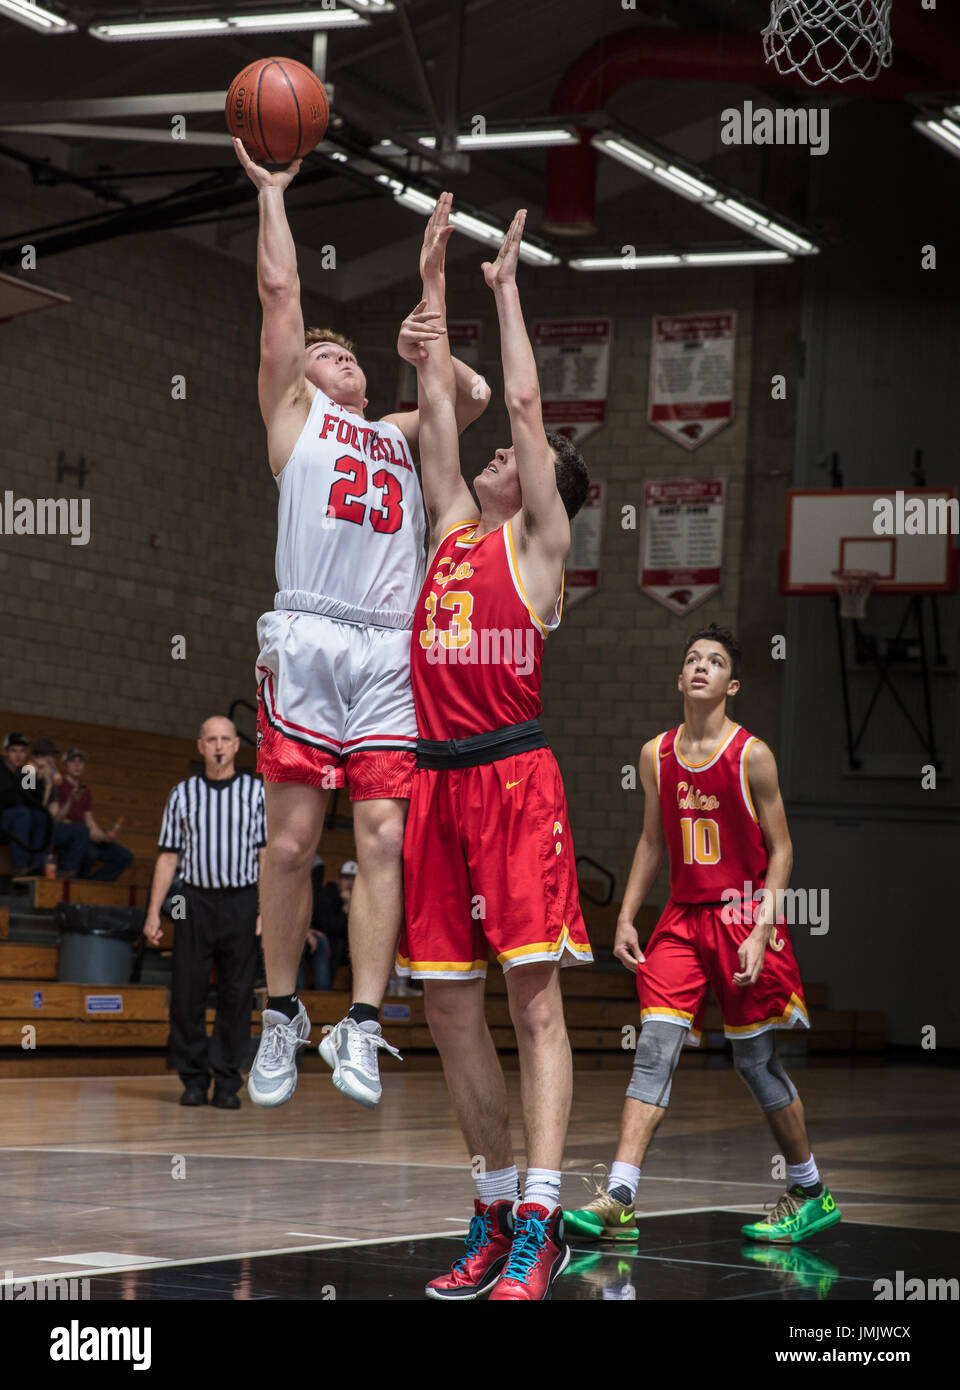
[(675, 55)]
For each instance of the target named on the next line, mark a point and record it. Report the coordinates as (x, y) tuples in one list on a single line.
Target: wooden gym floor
[(109, 1178)]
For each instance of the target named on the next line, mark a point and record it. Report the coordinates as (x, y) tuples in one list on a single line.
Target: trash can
[(97, 943)]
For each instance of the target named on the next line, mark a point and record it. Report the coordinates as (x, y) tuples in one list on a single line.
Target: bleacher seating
[(129, 775)]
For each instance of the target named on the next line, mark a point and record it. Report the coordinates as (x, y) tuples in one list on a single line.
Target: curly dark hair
[(725, 638), (572, 476)]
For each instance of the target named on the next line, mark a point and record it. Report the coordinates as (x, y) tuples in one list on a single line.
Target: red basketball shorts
[(488, 865), (692, 947)]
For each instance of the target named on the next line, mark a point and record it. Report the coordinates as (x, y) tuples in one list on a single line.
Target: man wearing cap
[(26, 790), (75, 807)]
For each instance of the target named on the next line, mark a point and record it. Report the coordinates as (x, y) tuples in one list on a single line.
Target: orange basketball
[(278, 108)]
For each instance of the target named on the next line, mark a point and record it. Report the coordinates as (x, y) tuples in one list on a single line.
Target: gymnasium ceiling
[(514, 53)]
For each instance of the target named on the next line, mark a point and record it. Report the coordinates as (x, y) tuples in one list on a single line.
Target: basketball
[(278, 108)]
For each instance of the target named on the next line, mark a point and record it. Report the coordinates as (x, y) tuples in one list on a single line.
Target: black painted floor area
[(695, 1256)]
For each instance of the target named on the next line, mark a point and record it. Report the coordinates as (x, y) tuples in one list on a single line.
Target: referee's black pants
[(219, 927)]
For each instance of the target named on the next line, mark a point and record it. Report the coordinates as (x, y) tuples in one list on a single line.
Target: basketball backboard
[(19, 296), (904, 535)]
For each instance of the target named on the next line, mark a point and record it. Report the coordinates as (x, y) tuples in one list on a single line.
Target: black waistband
[(439, 754)]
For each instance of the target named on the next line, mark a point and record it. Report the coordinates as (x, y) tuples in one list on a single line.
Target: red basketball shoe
[(488, 1248), (539, 1254)]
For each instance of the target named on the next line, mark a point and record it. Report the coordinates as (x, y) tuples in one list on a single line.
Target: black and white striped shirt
[(216, 828)]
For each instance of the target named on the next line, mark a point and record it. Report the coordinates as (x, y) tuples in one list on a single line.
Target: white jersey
[(352, 529)]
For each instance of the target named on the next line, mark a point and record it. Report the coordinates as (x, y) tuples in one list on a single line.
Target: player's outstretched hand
[(751, 954), (503, 271), (418, 329), (435, 238), (261, 177), (626, 945)]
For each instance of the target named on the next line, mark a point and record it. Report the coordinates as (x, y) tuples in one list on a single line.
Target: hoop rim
[(855, 581)]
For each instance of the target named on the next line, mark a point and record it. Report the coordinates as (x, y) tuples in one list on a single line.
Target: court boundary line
[(154, 1263)]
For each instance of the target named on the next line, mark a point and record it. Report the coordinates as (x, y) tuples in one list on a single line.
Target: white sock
[(803, 1174), (624, 1175), (542, 1186), (502, 1184)]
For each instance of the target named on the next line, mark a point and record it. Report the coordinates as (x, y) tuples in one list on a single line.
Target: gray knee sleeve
[(760, 1068), (655, 1060)]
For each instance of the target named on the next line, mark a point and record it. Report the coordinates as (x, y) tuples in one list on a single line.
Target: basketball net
[(854, 588), (829, 39)]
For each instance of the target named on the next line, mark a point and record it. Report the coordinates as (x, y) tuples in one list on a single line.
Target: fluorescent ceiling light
[(683, 183), (36, 17), (944, 132), (621, 262), (418, 201), (697, 258), (709, 198), (735, 257), (625, 152), (265, 23), (506, 139)]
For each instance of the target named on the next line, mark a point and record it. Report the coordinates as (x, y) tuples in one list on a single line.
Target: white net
[(854, 588), (829, 40)]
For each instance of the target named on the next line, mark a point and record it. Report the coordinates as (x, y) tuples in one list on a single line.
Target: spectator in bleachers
[(331, 907), (326, 945), (24, 810), (75, 807)]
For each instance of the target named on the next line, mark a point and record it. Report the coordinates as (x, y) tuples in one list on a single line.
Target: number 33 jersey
[(709, 819), (351, 520)]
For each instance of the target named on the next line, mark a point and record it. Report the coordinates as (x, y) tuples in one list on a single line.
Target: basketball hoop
[(854, 588), (821, 40)]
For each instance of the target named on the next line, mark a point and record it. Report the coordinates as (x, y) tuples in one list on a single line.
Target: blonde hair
[(326, 335)]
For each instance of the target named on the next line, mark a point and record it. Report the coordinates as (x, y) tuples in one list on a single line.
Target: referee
[(214, 826)]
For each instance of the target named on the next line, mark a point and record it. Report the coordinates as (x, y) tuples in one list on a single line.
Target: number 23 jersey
[(709, 819), (351, 518)]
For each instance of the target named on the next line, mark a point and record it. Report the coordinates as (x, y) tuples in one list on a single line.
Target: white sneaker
[(351, 1049), (273, 1076)]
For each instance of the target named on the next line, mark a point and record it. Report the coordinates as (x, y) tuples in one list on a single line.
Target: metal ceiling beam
[(149, 134), (90, 108), (420, 72)]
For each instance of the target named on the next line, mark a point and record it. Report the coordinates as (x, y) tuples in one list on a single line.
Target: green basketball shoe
[(795, 1217), (602, 1219)]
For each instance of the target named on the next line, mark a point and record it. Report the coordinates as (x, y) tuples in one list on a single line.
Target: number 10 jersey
[(351, 524)]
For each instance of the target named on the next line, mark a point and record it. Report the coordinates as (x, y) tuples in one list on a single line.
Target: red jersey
[(477, 644), (711, 828)]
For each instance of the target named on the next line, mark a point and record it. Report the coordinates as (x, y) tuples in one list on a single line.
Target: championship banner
[(691, 376), (573, 364), (582, 576), (464, 339), (681, 541)]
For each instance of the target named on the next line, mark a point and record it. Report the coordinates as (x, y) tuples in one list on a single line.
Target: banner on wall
[(573, 364), (681, 541), (691, 376), (464, 336), (582, 576)]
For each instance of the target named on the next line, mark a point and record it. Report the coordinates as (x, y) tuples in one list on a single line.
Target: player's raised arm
[(543, 521), (282, 385), (424, 341), (647, 859), (471, 392)]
